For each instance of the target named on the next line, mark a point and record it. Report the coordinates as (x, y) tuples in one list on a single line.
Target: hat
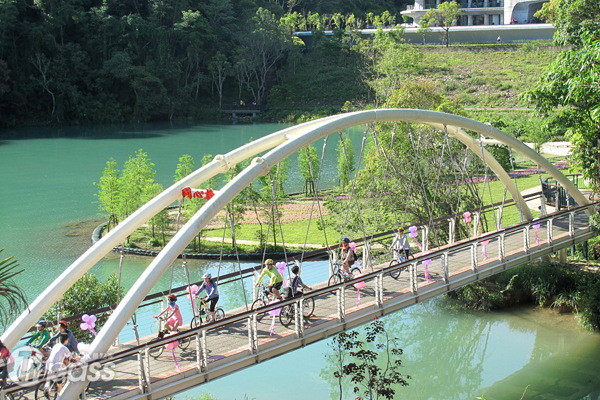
[(63, 323), (346, 240), (268, 261), (207, 276), (172, 297)]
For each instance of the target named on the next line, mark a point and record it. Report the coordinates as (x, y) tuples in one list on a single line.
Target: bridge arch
[(281, 144)]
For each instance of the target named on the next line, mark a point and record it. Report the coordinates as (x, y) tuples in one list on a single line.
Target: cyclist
[(7, 363), (276, 278), (295, 282), (400, 244), (63, 327), (174, 318), (347, 256), (41, 333), (59, 357), (212, 293)]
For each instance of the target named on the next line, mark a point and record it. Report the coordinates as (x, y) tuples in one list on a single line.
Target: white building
[(482, 12)]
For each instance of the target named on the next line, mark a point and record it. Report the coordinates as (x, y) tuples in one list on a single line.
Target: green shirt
[(45, 336), (273, 273)]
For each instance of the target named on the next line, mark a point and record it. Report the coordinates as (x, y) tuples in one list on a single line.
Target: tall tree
[(306, 168), (444, 16), (136, 182), (109, 193)]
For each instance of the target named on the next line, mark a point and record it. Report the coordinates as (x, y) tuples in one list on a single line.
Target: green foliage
[(185, 167), (444, 16), (309, 165), (87, 294), (501, 154), (12, 298), (372, 364), (109, 193), (571, 18), (346, 165)]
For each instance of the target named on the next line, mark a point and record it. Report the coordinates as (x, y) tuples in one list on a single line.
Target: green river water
[(47, 215)]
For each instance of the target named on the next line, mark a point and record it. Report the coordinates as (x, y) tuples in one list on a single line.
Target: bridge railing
[(334, 299)]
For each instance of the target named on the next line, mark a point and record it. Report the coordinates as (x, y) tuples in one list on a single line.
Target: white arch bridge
[(243, 338)]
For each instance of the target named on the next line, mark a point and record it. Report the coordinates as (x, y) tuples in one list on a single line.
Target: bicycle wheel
[(396, 273), (286, 316), (195, 322), (308, 307), (155, 352), (258, 303), (334, 280), (46, 391), (28, 369), (220, 314), (355, 271), (184, 343)]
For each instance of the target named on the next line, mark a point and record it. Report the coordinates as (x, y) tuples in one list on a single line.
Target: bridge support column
[(147, 369), (562, 256), (474, 257), (299, 318), (526, 244), (142, 380), (425, 238), (446, 267), (572, 224), (200, 362), (252, 336), (549, 234), (501, 242), (499, 218), (341, 304), (413, 278), (379, 290), (451, 230)]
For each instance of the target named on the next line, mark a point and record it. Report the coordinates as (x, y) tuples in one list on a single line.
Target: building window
[(462, 20), (477, 19)]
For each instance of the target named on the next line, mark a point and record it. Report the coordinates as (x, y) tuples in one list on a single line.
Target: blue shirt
[(211, 290)]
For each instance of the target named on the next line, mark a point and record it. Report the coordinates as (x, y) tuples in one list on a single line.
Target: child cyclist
[(174, 318), (212, 293)]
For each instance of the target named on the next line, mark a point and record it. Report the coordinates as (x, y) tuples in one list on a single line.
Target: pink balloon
[(413, 234), (275, 311), (171, 345), (427, 262), (361, 284), (467, 217), (485, 242), (84, 326), (353, 246), (536, 226), (191, 290), (85, 318), (412, 229)]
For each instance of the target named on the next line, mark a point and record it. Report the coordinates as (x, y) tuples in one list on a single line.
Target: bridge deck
[(228, 346)]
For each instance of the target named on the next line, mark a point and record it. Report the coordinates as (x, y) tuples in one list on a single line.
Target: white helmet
[(207, 276)]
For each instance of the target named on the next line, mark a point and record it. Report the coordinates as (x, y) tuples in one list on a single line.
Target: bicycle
[(32, 366), (263, 298), (204, 309), (155, 352), (288, 313), (48, 390), (398, 258), (338, 276)]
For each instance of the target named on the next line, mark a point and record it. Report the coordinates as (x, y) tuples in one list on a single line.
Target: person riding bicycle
[(174, 318), (212, 293), (295, 282), (63, 327), (59, 357), (42, 333), (401, 244), (276, 278), (347, 256), (7, 363)]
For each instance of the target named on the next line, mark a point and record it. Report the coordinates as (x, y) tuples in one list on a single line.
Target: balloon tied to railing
[(273, 313), (358, 286), (426, 266), (484, 243), (197, 193), (281, 268), (467, 218), (171, 346), (191, 293), (88, 324), (536, 227), (413, 233)]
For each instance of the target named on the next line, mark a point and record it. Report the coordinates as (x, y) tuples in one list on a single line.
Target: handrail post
[(425, 238), (199, 359), (379, 290), (341, 304), (549, 233), (252, 347), (367, 256), (474, 257), (332, 261), (572, 224), (499, 218), (451, 230), (446, 266), (141, 368), (476, 223), (526, 246), (413, 278), (299, 318), (501, 240), (204, 350), (147, 368)]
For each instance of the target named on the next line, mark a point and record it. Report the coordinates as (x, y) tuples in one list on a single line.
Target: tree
[(424, 28), (373, 364), (306, 167), (137, 179), (345, 161), (185, 167), (571, 90), (12, 298), (444, 16), (86, 295), (219, 68), (109, 193), (571, 18)]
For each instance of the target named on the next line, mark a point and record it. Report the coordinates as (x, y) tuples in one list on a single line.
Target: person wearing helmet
[(276, 279), (212, 293), (174, 318), (400, 245), (63, 327), (41, 333), (347, 256)]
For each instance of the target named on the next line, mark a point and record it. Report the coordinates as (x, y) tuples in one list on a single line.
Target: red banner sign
[(197, 193)]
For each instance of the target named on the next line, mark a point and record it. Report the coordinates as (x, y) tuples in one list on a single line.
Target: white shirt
[(57, 356), (400, 242)]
